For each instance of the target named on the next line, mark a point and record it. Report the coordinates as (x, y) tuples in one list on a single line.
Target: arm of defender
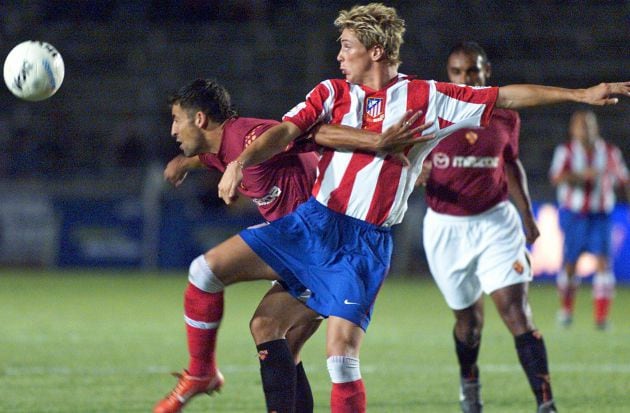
[(273, 141), (395, 140), (178, 167), (523, 96), (519, 191)]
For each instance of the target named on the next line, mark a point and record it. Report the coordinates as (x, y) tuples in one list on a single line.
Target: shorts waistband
[(468, 218), (323, 208)]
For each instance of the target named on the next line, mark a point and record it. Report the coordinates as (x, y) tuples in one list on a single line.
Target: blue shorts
[(585, 233), (342, 260)]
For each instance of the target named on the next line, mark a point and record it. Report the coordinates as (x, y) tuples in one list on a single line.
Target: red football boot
[(188, 387)]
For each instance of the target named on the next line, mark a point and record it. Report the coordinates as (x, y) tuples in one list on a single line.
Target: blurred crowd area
[(124, 57)]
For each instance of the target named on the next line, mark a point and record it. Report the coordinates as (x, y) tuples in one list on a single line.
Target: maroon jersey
[(278, 185), (468, 175)]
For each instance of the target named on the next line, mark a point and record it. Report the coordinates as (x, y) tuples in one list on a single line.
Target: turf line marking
[(242, 368)]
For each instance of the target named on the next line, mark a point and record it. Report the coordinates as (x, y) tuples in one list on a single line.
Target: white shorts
[(474, 254)]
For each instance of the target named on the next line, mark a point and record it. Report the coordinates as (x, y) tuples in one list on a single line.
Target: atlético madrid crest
[(374, 109)]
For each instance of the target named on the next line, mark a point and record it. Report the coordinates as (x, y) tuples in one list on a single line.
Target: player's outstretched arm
[(523, 96), (395, 140), (178, 167), (273, 141)]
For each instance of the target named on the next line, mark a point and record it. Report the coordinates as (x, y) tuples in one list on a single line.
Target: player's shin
[(303, 394), (567, 289), (467, 357), (278, 374), (603, 293), (348, 391), (203, 310), (532, 354)]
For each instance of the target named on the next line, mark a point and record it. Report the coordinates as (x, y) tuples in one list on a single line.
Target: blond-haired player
[(338, 244)]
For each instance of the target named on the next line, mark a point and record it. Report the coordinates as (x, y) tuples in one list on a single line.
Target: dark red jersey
[(278, 185), (468, 175)]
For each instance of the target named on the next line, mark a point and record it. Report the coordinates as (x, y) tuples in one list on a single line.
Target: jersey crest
[(374, 109), (471, 137)]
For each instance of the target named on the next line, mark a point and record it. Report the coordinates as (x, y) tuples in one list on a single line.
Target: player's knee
[(469, 334), (469, 330), (343, 369), (201, 276), (265, 329)]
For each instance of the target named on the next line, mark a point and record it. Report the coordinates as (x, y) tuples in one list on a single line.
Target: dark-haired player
[(473, 238)]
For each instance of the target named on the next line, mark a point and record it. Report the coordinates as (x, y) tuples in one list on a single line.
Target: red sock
[(348, 397), (203, 312), (601, 307), (567, 297)]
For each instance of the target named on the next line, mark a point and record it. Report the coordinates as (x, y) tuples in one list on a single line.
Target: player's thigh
[(598, 237), (277, 313), (576, 235), (233, 260)]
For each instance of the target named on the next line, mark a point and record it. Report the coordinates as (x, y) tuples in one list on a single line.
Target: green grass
[(105, 342)]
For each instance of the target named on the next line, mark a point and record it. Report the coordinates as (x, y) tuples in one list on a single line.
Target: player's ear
[(488, 70), (201, 120), (377, 52)]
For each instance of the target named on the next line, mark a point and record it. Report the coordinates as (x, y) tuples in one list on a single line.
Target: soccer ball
[(33, 70)]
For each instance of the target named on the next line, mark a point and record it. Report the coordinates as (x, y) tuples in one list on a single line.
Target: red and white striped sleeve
[(313, 110), (458, 103)]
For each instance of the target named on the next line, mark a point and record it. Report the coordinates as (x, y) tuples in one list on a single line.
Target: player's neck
[(380, 77), (214, 137)]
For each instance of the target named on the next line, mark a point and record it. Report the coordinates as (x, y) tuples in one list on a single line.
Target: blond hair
[(375, 24)]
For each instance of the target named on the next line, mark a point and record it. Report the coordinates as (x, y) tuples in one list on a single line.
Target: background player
[(337, 244), (586, 171), (473, 238)]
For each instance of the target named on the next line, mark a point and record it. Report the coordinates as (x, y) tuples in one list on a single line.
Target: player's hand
[(590, 175), (176, 170), (399, 137), (531, 229), (230, 182), (427, 165), (603, 93)]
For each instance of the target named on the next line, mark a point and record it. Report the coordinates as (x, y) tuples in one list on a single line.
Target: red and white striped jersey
[(597, 195), (374, 187)]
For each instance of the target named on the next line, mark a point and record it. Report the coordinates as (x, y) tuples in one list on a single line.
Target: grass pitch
[(86, 341)]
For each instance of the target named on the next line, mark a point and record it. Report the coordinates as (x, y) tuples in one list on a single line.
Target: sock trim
[(202, 325)]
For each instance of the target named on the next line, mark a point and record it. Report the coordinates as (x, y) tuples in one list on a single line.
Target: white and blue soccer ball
[(33, 70)]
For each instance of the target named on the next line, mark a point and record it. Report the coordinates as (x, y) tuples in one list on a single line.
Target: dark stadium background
[(80, 173)]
